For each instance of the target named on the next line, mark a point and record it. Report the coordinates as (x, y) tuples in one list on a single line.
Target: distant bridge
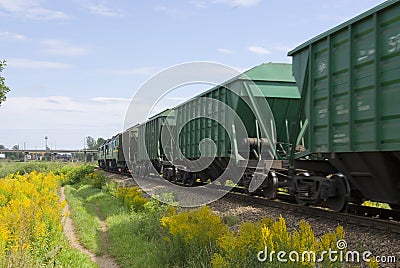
[(48, 151), (53, 153)]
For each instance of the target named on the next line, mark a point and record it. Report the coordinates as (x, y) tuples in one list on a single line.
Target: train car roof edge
[(343, 25)]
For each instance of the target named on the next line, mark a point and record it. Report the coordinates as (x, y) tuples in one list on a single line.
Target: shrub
[(30, 218), (192, 236), (110, 187), (201, 226), (131, 197), (75, 174), (27, 167), (97, 179), (239, 249)]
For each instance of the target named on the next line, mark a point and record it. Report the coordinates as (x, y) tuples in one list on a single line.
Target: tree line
[(3, 88), (92, 144)]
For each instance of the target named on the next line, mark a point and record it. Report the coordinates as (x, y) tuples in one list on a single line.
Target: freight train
[(337, 115)]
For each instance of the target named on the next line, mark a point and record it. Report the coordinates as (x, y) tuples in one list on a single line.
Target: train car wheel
[(189, 179), (270, 189), (340, 201), (166, 176), (178, 177)]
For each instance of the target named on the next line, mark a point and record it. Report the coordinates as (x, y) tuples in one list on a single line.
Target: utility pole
[(25, 153), (84, 148), (46, 155)]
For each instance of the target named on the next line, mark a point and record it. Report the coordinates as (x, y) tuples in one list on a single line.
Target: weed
[(131, 197)]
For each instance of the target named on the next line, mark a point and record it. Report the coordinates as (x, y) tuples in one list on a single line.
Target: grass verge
[(134, 238), (7, 168), (87, 226), (158, 236)]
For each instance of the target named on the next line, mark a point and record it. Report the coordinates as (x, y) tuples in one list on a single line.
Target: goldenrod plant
[(266, 238), (31, 228), (131, 197)]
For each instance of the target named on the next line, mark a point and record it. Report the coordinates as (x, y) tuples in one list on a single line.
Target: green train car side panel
[(130, 140), (194, 127), (275, 83), (149, 133), (350, 80), (148, 143)]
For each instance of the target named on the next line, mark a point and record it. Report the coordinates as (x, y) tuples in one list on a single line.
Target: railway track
[(356, 215), (360, 216)]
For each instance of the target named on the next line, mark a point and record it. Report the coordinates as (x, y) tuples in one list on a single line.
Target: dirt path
[(104, 261)]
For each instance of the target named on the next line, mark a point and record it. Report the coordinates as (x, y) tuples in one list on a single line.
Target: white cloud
[(61, 118), (102, 10), (136, 71), (225, 50), (30, 9), (199, 3), (239, 3), (232, 3), (258, 50), (34, 64), (110, 100), (57, 111), (60, 47), (12, 36)]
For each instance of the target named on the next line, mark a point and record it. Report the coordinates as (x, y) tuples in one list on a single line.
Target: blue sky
[(73, 65)]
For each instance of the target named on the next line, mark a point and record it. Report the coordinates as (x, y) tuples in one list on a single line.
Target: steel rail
[(361, 216)]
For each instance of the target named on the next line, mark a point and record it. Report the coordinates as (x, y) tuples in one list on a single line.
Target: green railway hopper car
[(349, 78), (274, 82), (200, 119), (130, 140), (150, 152)]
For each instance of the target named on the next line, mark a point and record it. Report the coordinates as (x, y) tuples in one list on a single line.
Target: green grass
[(134, 239), (230, 220), (130, 242), (86, 222), (7, 168), (63, 256), (71, 257), (376, 205)]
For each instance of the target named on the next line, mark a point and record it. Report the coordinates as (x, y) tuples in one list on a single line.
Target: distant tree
[(100, 142), (15, 155), (91, 143), (3, 88), (2, 146)]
